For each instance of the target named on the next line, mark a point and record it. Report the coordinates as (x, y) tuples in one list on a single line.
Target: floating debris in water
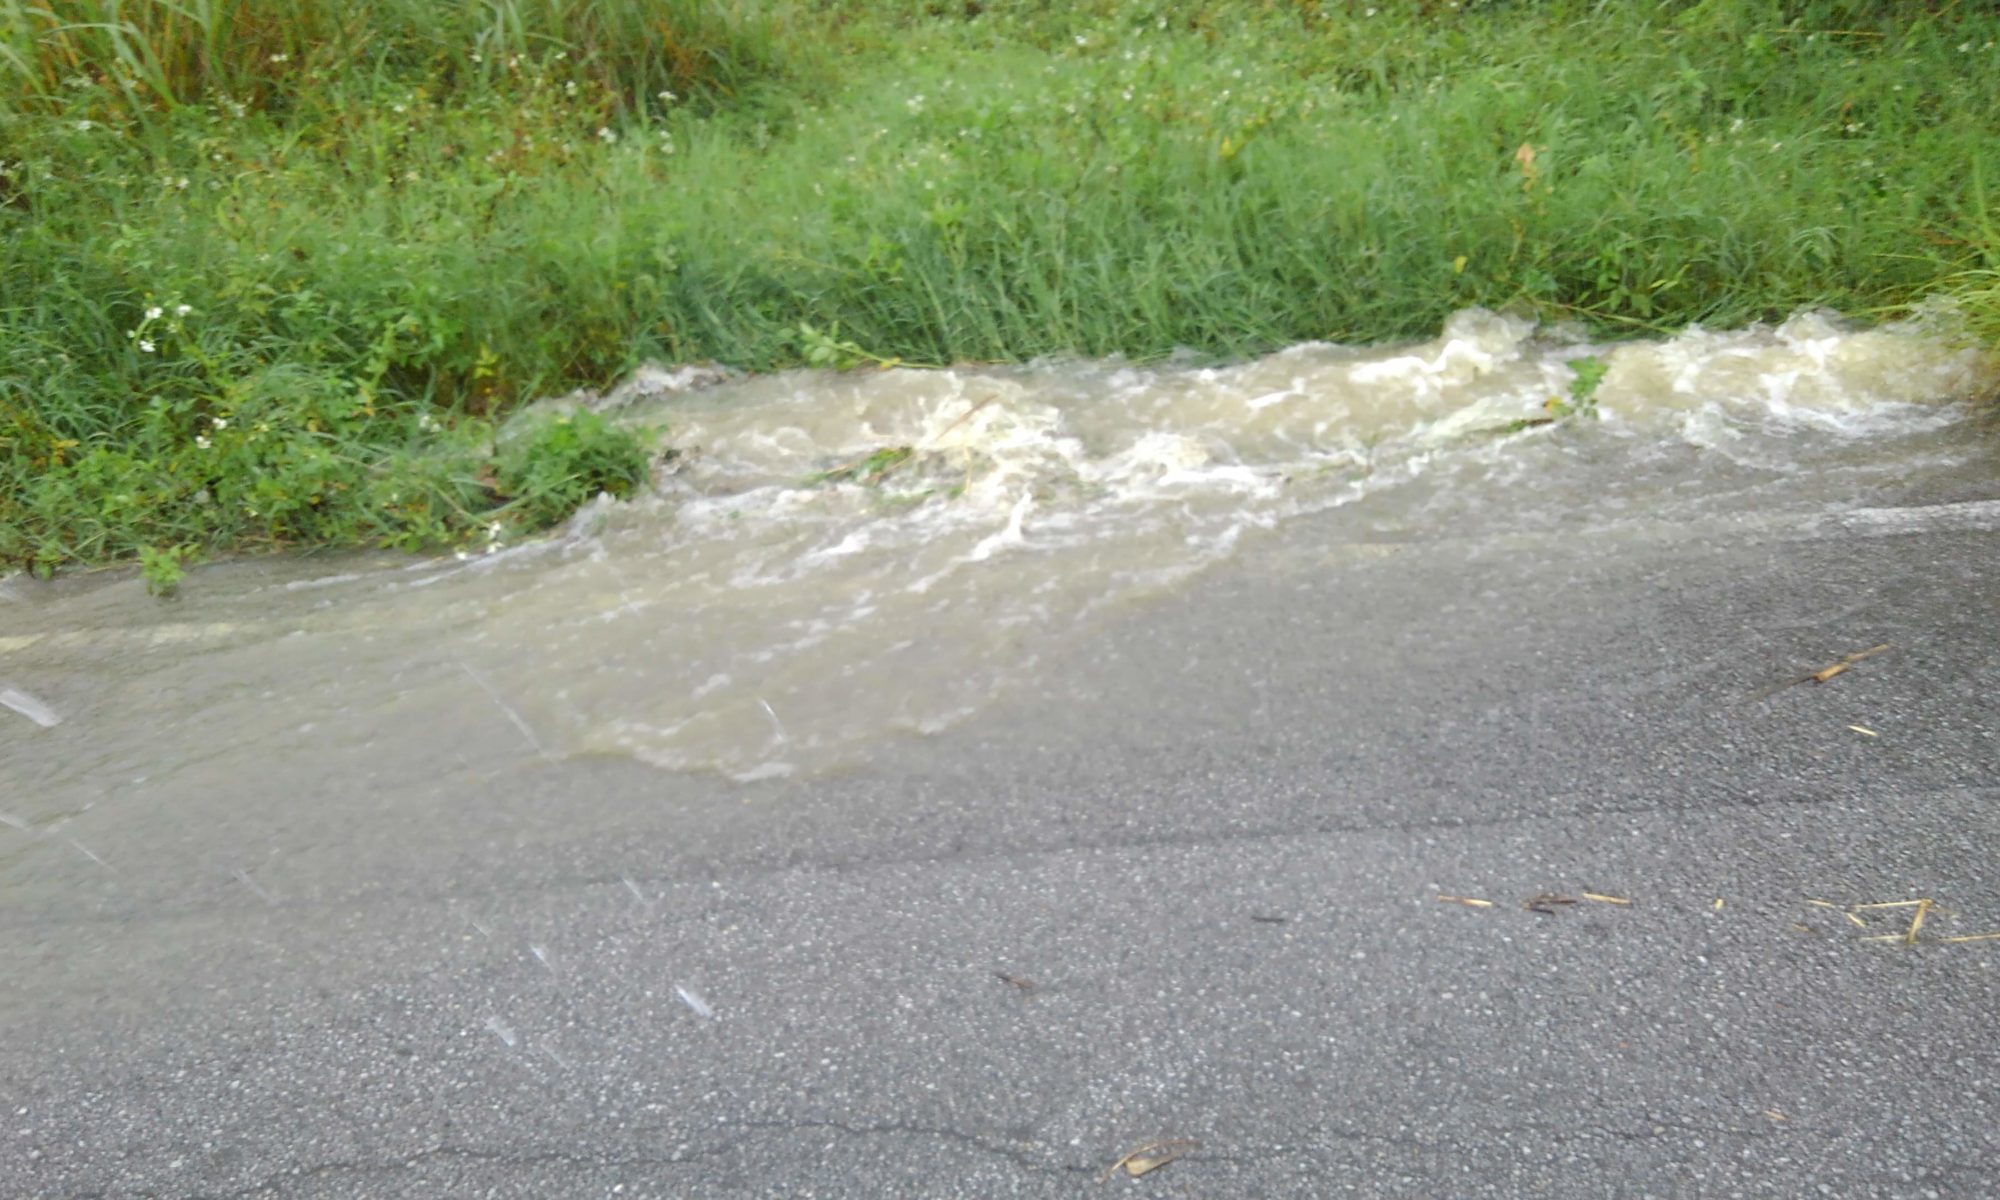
[(500, 1030), (29, 707), (694, 1001)]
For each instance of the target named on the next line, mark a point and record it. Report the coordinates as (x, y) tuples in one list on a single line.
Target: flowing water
[(836, 558)]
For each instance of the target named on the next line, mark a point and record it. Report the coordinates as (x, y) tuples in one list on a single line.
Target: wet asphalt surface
[(1189, 888)]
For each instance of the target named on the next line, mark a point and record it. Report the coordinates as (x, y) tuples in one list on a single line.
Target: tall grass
[(149, 54), (390, 222)]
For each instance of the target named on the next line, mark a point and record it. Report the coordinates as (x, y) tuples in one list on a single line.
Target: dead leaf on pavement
[(1150, 1157), (1545, 903)]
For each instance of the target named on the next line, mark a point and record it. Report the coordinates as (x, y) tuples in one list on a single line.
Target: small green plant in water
[(1582, 389), (1582, 396), (564, 463), (163, 569)]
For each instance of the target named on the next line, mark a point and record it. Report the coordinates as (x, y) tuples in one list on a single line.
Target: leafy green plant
[(826, 348), (1582, 388), (563, 463), (163, 568)]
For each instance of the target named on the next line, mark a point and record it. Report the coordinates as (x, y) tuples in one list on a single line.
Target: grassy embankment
[(270, 270)]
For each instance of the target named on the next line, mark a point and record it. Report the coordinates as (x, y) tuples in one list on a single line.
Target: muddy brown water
[(839, 558)]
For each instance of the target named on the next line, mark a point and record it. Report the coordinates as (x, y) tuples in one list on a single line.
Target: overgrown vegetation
[(272, 270)]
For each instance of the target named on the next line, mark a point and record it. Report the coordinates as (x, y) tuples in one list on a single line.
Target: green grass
[(390, 222)]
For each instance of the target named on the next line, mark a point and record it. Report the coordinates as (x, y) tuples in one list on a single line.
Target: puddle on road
[(836, 557)]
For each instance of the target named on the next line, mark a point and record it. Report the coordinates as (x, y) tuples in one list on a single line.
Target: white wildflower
[(146, 345), (182, 310), (668, 97), (204, 443), (219, 423), (153, 313), (606, 136)]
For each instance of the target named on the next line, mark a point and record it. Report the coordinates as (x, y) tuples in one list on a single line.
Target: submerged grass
[(270, 272)]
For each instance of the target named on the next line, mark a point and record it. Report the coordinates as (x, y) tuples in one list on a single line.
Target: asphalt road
[(1188, 888)]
